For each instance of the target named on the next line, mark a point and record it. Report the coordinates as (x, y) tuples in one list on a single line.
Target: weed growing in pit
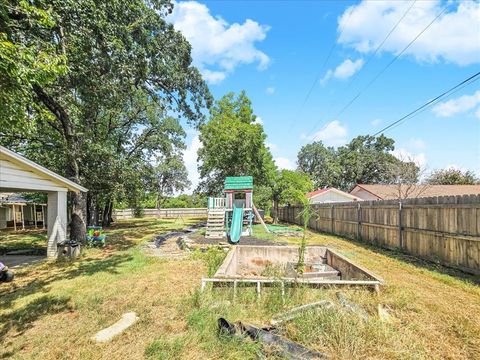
[(213, 258)]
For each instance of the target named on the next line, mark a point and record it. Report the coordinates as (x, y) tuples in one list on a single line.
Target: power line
[(334, 45), (388, 65), (352, 80), (422, 108), (391, 62), (345, 89), (415, 112)]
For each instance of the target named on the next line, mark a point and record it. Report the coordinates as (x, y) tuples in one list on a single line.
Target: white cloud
[(419, 158), (348, 68), (343, 71), (333, 134), (457, 106), (190, 158), (477, 113), (258, 120), (217, 46), (454, 37), (284, 163), (213, 77), (376, 122), (271, 146), (270, 90)]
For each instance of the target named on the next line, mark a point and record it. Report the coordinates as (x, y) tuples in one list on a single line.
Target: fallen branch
[(284, 347), (297, 311)]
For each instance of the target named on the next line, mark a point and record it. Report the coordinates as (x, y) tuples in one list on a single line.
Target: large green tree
[(103, 116), (171, 175), (452, 177), (366, 159), (233, 145), (25, 63), (291, 187), (321, 163)]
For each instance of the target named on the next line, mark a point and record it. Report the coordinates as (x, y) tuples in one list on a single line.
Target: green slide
[(237, 224)]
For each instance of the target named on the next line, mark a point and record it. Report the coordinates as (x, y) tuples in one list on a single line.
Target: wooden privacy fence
[(444, 229), (162, 213)]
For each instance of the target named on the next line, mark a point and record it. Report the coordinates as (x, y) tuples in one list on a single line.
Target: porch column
[(14, 218), (57, 221), (43, 218), (35, 214), (23, 217)]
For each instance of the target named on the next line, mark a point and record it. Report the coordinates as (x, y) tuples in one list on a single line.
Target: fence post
[(332, 220), (400, 234), (359, 221)]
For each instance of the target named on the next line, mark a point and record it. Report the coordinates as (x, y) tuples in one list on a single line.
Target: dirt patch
[(243, 241)]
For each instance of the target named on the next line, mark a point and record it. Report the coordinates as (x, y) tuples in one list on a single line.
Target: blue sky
[(277, 52)]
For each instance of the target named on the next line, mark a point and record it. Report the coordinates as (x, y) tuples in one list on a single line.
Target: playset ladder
[(215, 223)]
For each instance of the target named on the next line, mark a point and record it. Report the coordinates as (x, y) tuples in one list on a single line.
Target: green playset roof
[(238, 183)]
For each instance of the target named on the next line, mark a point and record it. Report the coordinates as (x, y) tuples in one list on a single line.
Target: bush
[(138, 212)]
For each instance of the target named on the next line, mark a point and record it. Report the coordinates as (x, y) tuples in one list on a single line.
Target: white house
[(330, 195), (16, 211), (18, 174)]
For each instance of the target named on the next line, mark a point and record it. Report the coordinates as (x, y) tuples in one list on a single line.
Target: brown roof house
[(406, 191)]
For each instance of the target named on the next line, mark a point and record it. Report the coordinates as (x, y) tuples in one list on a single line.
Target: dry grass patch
[(52, 309)]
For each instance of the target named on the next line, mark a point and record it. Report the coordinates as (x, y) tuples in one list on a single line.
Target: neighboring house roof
[(390, 192), (39, 170), (238, 183), (315, 193), (15, 199)]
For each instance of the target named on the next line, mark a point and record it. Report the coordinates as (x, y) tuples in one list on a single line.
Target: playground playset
[(232, 215)]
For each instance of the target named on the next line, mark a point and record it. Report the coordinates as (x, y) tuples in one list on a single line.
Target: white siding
[(363, 194), (57, 221), (12, 176), (330, 196)]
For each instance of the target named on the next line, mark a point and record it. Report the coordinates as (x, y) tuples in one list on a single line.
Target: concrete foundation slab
[(263, 265)]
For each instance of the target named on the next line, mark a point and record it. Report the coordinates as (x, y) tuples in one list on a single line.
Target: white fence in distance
[(162, 213)]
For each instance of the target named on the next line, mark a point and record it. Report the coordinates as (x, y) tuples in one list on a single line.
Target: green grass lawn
[(52, 309), (34, 239)]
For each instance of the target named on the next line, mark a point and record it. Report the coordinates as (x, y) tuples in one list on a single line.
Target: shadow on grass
[(403, 256), (63, 271), (33, 240), (22, 319)]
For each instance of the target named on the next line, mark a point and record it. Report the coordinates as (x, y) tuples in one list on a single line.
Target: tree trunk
[(72, 147), (275, 209), (107, 211), (110, 214), (78, 227), (77, 224), (90, 205)]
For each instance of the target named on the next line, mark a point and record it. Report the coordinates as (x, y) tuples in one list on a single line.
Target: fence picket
[(444, 229)]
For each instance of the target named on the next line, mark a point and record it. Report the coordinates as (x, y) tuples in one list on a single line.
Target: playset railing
[(215, 203)]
